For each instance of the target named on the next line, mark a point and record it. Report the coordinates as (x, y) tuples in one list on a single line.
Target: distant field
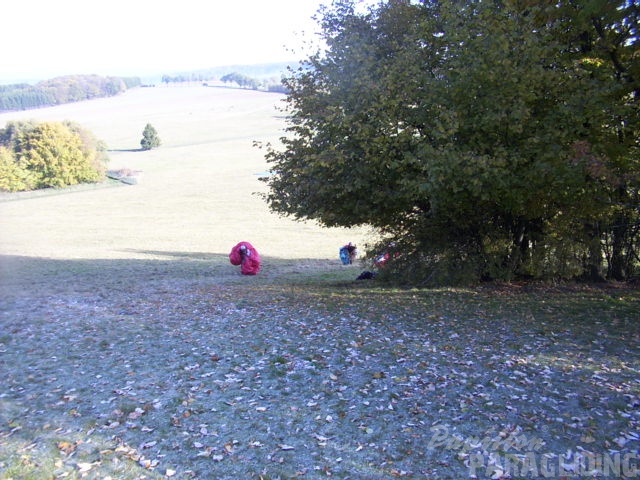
[(196, 192)]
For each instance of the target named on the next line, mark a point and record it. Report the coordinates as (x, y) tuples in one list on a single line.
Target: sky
[(41, 39)]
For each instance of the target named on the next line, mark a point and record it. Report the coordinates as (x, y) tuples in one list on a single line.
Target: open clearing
[(130, 348)]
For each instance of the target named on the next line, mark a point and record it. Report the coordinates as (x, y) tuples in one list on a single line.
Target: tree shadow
[(95, 350), (22, 276)]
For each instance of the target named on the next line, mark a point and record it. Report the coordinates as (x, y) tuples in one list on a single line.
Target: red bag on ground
[(245, 255)]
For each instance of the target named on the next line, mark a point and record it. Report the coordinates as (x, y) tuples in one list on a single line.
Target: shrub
[(150, 138), (13, 178), (49, 154)]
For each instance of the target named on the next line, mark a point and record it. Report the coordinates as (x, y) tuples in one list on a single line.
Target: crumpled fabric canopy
[(245, 255)]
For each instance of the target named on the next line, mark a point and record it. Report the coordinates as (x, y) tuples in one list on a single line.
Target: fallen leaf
[(84, 467), (66, 447), (148, 464), (137, 413)]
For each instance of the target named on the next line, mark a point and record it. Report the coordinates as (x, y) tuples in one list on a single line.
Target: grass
[(197, 192), (218, 376), (130, 348)]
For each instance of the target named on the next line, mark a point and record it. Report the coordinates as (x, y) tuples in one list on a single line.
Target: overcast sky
[(43, 38)]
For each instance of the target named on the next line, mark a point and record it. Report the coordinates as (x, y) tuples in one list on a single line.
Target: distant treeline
[(242, 81), (266, 77), (59, 90)]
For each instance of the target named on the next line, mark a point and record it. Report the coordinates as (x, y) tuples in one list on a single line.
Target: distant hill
[(267, 76), (60, 90), (74, 88), (261, 71)]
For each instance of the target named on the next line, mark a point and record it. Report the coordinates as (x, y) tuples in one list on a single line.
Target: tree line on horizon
[(61, 90), (75, 88), (272, 84)]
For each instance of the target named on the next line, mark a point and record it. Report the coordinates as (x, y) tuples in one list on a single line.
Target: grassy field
[(196, 192), (131, 349)]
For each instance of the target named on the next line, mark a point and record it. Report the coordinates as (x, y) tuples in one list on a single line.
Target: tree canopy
[(150, 138), (49, 154), (243, 81), (485, 139)]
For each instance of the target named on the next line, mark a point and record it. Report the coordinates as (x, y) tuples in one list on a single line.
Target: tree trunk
[(593, 264), (618, 264)]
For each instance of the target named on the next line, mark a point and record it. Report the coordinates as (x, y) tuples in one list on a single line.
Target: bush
[(13, 178), (150, 138), (50, 154)]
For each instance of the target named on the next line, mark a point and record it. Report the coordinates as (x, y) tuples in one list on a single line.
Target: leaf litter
[(271, 380)]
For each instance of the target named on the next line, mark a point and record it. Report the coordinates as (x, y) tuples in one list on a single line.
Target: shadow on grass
[(29, 274), (106, 358), (47, 192), (314, 281), (23, 276), (59, 446)]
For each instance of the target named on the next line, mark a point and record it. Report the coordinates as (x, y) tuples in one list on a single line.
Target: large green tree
[(487, 139)]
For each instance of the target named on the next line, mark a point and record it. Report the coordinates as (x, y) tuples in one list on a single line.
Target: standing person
[(245, 255), (348, 253)]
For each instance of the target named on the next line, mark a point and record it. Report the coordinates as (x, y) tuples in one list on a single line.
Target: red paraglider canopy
[(245, 255)]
